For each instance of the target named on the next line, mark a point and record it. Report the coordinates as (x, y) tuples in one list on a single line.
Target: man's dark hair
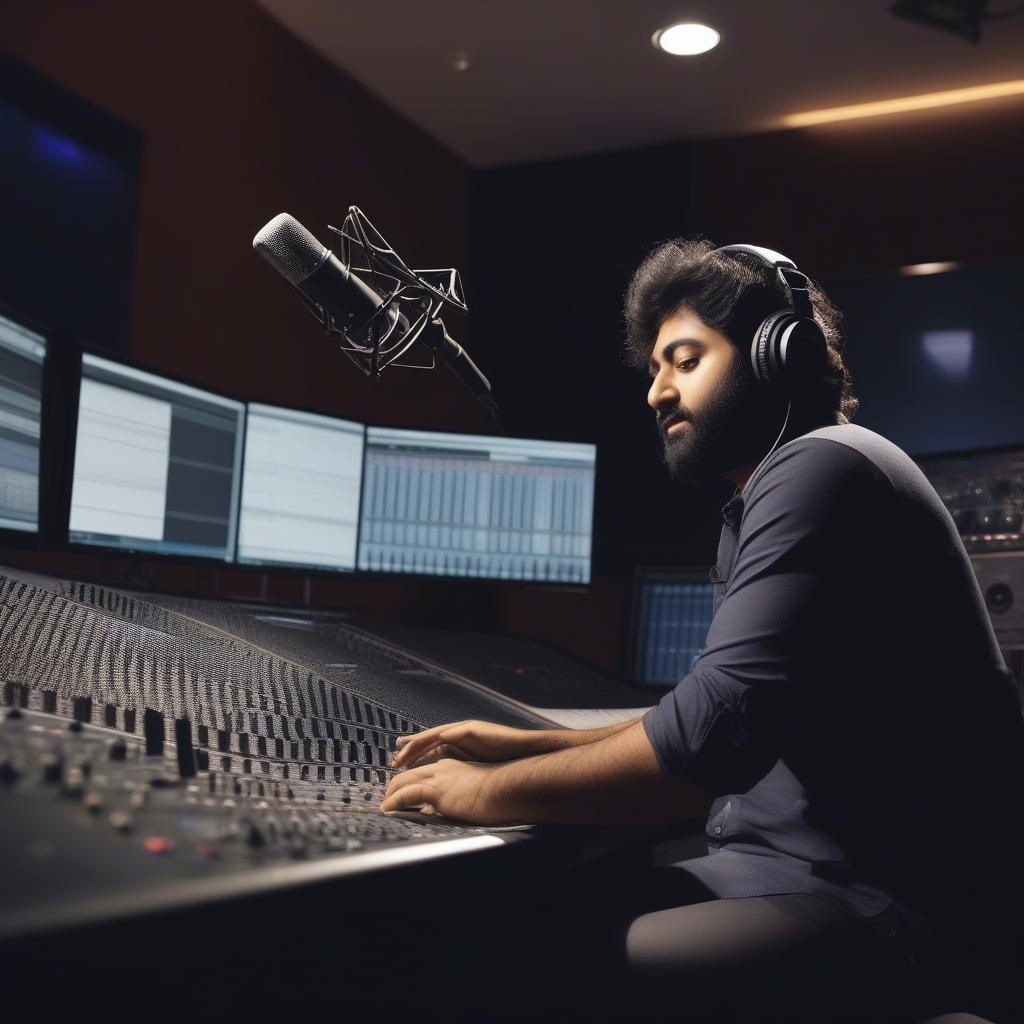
[(732, 293)]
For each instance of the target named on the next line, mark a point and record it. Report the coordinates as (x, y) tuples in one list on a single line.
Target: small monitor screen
[(469, 505), (300, 489), (673, 618), (936, 358), (157, 464), (21, 398)]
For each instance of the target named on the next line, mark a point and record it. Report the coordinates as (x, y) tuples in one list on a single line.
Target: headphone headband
[(793, 280), (770, 256)]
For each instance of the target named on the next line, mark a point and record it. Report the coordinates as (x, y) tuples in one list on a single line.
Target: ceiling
[(557, 78)]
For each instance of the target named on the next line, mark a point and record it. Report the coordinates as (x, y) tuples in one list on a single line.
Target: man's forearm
[(548, 740), (611, 781)]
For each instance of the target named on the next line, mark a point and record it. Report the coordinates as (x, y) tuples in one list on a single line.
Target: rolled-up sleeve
[(726, 723)]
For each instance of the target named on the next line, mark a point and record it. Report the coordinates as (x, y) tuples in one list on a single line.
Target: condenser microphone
[(299, 257), (348, 303)]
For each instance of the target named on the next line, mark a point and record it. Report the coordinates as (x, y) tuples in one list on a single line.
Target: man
[(850, 714)]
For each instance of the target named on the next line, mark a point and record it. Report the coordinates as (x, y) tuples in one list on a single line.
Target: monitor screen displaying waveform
[(22, 353), (477, 506), (672, 620), (300, 489), (157, 464)]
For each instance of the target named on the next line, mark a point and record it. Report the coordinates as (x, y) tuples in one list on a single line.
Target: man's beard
[(729, 432)]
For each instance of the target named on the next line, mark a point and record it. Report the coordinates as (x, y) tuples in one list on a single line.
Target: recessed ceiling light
[(686, 40), (461, 62)]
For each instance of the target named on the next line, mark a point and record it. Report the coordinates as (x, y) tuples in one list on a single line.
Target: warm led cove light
[(686, 40), (905, 103), (920, 269)]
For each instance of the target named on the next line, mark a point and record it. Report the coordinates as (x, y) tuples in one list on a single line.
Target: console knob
[(254, 837), (121, 821), (53, 765), (74, 783)]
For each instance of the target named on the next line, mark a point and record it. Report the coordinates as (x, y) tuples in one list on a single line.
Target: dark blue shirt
[(850, 708)]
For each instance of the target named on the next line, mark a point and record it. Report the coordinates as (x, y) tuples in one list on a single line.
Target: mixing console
[(189, 821), (137, 808), (154, 751)]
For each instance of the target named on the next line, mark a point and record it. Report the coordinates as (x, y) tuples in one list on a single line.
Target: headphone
[(789, 348)]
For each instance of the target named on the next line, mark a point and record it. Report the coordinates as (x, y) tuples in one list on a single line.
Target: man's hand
[(467, 741), (613, 781), (486, 741), (459, 790)]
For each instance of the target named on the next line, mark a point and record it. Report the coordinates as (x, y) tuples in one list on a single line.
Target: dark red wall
[(874, 194), (242, 121)]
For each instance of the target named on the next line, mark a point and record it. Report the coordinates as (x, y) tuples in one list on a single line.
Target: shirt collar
[(733, 508)]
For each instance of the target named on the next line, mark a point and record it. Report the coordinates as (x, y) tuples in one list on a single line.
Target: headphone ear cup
[(804, 355), (766, 353), (788, 353)]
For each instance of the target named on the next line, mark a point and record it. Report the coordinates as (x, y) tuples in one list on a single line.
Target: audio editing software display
[(157, 464), (468, 505), (21, 394), (672, 622), (300, 489)]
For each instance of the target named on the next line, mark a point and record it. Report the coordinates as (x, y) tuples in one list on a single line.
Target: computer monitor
[(157, 464), (301, 479), (477, 506), (671, 619), (22, 352), (936, 357)]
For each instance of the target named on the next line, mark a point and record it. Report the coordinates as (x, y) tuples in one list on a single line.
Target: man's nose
[(662, 392)]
